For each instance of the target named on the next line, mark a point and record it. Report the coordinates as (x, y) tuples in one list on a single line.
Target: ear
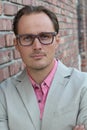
[(15, 43), (57, 40)]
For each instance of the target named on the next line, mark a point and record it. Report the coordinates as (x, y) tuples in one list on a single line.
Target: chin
[(39, 66)]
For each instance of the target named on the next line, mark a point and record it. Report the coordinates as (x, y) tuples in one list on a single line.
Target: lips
[(38, 55)]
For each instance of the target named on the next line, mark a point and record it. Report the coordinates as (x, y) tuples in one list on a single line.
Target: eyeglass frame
[(36, 36)]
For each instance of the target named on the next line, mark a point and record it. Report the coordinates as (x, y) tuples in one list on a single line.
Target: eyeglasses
[(44, 38)]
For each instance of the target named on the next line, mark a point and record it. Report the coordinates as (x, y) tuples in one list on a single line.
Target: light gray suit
[(65, 107)]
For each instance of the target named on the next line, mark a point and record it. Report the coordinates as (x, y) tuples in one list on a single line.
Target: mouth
[(37, 56)]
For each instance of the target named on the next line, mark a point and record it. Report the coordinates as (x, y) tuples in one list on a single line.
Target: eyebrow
[(36, 34)]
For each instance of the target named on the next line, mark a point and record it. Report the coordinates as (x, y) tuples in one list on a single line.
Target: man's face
[(37, 56)]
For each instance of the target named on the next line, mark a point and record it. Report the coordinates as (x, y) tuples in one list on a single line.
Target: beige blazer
[(65, 107)]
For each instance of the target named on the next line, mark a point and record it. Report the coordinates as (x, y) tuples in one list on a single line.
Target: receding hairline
[(28, 10), (35, 14)]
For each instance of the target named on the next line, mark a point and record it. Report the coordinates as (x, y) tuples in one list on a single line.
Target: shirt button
[(39, 101), (44, 84)]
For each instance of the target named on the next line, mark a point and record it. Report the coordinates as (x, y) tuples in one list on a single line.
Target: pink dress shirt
[(41, 90)]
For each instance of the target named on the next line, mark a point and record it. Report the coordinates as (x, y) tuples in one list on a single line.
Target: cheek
[(51, 50), (23, 52)]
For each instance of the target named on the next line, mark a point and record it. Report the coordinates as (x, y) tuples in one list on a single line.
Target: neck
[(39, 75)]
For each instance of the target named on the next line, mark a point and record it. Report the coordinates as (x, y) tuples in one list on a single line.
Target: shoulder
[(78, 81), (79, 75), (13, 81), (73, 71), (75, 76)]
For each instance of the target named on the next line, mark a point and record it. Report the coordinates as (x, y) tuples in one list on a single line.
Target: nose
[(36, 44)]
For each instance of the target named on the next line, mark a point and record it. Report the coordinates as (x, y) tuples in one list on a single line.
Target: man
[(47, 95)]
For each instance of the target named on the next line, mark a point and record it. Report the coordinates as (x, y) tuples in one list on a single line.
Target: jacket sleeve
[(3, 113), (82, 114)]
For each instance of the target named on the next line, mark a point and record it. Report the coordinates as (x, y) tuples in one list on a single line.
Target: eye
[(27, 38), (45, 36)]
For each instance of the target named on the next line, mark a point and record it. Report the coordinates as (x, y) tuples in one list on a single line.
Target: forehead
[(35, 22)]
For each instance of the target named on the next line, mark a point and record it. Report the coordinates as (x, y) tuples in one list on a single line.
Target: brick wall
[(68, 51), (82, 31)]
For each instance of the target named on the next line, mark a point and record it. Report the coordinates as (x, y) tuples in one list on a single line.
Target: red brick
[(4, 74), (55, 10), (9, 40), (5, 24), (5, 56), (2, 41), (54, 2), (15, 68), (10, 9)]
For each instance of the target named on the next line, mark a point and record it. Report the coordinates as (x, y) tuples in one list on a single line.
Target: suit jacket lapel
[(28, 97), (56, 90)]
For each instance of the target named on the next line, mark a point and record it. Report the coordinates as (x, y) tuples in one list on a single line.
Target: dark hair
[(34, 9)]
